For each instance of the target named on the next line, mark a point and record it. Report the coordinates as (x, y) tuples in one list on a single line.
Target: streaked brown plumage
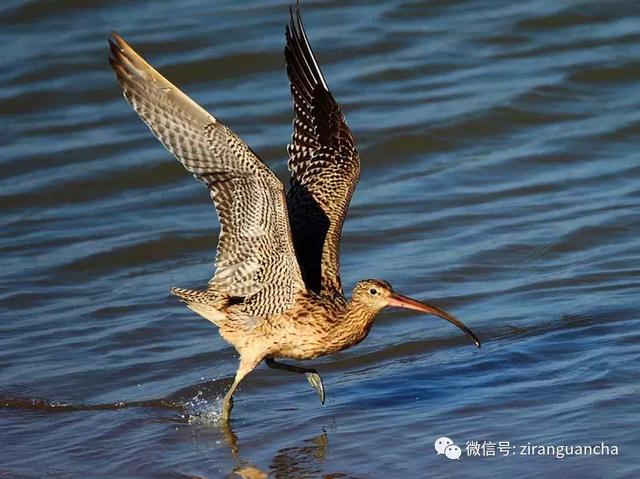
[(276, 291)]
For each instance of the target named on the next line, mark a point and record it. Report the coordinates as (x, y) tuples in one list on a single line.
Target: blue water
[(501, 181)]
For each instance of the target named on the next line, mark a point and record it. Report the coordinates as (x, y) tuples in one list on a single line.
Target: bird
[(276, 291)]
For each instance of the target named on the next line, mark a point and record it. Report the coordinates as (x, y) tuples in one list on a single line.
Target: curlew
[(276, 292)]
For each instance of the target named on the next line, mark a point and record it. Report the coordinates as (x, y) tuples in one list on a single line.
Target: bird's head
[(376, 294)]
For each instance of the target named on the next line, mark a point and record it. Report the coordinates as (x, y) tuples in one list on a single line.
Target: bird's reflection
[(301, 461), (304, 460)]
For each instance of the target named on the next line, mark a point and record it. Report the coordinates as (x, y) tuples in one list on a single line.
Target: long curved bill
[(400, 301)]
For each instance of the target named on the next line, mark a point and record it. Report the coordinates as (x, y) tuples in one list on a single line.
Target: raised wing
[(324, 165), (255, 262)]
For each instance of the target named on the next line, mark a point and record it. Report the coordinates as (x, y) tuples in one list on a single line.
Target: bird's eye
[(373, 291)]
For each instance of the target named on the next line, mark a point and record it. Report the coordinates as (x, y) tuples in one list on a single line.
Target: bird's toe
[(316, 381)]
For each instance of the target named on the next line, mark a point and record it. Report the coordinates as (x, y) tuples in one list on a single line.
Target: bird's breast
[(308, 334)]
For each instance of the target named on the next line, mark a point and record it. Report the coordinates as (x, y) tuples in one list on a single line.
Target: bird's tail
[(204, 303), (189, 295)]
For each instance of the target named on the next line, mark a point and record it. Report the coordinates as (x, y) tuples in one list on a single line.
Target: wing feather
[(323, 162), (255, 259)]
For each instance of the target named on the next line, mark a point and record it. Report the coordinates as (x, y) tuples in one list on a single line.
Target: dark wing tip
[(299, 49), (118, 61), (114, 50), (116, 43), (117, 52)]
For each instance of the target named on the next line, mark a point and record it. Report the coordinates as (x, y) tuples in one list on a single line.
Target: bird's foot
[(316, 381)]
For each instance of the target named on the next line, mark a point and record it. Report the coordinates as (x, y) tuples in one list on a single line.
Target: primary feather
[(255, 261), (324, 165)]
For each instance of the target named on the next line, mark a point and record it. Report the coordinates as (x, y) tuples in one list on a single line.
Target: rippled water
[(501, 179)]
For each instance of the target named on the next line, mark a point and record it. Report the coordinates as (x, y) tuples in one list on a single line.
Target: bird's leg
[(312, 375), (246, 366)]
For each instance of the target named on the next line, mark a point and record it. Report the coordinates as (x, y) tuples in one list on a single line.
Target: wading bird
[(276, 291)]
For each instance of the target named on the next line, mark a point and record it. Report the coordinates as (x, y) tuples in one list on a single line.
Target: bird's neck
[(356, 323)]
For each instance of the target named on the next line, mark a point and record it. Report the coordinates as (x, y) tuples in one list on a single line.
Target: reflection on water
[(302, 460), (292, 462), (289, 462)]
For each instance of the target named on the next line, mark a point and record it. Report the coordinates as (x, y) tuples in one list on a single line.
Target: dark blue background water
[(501, 180)]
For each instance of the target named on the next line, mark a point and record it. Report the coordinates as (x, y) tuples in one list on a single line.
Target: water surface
[(501, 180)]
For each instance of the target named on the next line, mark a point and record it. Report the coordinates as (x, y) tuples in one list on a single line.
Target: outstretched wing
[(324, 165), (255, 262)]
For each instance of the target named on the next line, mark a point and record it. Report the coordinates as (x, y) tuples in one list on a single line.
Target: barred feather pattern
[(255, 262), (324, 166)]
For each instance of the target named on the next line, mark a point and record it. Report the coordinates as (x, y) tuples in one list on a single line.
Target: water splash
[(197, 410), (202, 410)]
